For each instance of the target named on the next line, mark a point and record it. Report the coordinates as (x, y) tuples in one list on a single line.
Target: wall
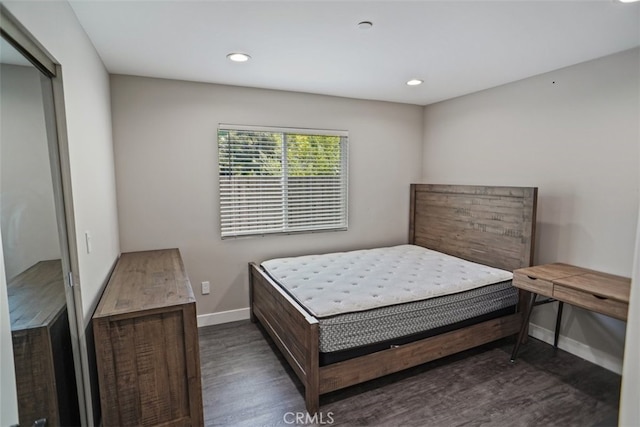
[(87, 108), (165, 136), (630, 390), (574, 134), (27, 212), (8, 395)]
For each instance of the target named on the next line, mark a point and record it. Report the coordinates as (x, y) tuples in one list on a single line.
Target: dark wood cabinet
[(43, 357), (147, 348)]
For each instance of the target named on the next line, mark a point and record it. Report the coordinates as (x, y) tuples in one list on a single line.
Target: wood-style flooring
[(246, 382)]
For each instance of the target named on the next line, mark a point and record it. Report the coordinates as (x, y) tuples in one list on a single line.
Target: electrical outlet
[(206, 288)]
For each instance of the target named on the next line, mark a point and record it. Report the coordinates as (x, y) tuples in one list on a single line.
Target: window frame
[(286, 178)]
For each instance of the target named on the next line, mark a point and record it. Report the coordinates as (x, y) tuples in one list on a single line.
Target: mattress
[(377, 295)]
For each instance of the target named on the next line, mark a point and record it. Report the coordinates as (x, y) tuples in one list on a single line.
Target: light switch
[(87, 238)]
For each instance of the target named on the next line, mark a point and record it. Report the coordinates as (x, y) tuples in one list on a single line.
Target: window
[(276, 180)]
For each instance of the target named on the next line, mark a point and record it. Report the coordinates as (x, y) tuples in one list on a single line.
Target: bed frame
[(490, 225)]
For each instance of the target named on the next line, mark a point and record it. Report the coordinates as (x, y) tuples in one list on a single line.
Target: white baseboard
[(595, 356), (223, 317)]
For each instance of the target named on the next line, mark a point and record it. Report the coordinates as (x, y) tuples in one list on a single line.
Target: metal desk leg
[(524, 328), (558, 322)]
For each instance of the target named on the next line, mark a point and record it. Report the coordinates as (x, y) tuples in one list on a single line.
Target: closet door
[(36, 284)]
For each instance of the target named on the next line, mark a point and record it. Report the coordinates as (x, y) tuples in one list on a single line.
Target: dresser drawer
[(532, 284), (592, 302)]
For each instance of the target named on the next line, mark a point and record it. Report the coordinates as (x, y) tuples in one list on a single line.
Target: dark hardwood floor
[(246, 382)]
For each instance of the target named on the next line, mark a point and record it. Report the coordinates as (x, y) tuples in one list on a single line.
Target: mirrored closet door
[(35, 245)]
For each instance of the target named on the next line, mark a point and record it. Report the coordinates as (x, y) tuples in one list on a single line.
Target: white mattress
[(348, 282)]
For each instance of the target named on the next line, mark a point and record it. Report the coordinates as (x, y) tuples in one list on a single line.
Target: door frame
[(20, 38)]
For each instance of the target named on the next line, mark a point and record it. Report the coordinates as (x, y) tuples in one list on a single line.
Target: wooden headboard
[(494, 226)]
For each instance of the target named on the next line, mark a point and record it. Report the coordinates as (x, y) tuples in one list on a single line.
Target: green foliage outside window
[(260, 154), (313, 155)]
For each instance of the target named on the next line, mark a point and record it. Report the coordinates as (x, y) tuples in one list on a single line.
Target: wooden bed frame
[(489, 225)]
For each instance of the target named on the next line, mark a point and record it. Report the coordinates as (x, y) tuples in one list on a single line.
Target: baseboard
[(223, 317), (595, 356)]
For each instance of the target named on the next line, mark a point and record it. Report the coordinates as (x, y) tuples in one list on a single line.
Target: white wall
[(574, 134), (8, 395), (88, 113), (165, 138), (630, 390), (27, 211)]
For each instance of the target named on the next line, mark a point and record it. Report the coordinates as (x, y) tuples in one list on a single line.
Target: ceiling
[(456, 47)]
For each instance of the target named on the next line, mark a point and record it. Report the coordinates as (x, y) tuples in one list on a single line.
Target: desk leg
[(558, 322), (524, 328)]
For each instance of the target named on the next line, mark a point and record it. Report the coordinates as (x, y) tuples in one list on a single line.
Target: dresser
[(43, 357), (589, 289), (146, 337)]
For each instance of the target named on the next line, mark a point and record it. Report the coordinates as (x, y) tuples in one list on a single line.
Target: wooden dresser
[(147, 343), (43, 358)]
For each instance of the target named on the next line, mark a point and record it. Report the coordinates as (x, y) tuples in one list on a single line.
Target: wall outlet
[(206, 288)]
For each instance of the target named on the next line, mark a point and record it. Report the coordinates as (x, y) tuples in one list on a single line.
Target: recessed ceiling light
[(365, 25), (414, 82), (238, 57), (628, 1)]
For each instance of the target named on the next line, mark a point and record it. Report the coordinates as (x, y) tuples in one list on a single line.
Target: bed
[(488, 225)]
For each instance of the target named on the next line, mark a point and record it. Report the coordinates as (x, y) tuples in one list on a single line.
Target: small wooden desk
[(593, 290)]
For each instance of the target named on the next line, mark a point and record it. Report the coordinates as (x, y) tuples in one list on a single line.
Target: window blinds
[(275, 180)]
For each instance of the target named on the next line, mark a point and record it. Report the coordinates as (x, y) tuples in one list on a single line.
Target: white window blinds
[(276, 180)]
